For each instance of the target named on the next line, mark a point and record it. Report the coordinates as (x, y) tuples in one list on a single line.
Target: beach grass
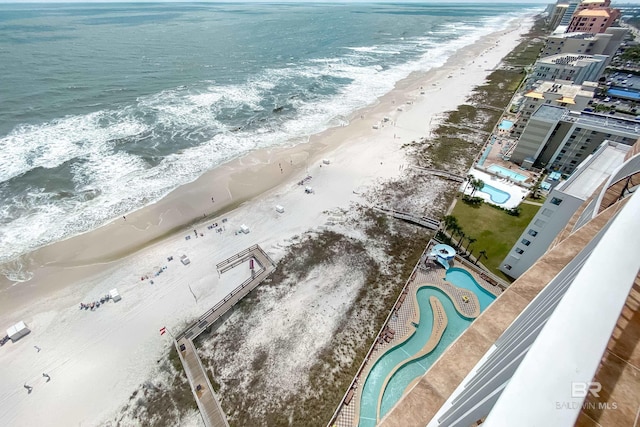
[(452, 147), (336, 364), (494, 229), (162, 401)]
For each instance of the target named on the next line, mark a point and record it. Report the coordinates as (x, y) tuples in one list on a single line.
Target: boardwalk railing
[(205, 320), (423, 221), (212, 413), (234, 260), (441, 173)]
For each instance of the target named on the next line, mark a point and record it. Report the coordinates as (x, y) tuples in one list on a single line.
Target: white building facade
[(560, 205)]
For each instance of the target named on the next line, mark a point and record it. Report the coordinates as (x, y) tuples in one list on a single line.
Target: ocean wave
[(128, 157)]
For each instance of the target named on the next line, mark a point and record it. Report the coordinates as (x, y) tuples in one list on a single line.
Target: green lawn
[(495, 230)]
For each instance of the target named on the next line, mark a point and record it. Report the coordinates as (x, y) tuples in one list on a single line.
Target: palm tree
[(477, 184), (455, 229), (449, 221), (468, 181), (482, 253), (462, 236), (470, 240)]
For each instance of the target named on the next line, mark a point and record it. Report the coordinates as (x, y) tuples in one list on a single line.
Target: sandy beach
[(96, 359)]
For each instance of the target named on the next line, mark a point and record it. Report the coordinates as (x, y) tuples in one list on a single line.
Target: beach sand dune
[(97, 358)]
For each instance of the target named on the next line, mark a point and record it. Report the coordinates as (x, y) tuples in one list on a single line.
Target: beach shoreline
[(228, 186), (245, 190)]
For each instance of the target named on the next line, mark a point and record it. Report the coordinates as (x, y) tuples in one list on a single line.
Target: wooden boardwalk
[(442, 174), (263, 270), (201, 388), (423, 221), (203, 392)]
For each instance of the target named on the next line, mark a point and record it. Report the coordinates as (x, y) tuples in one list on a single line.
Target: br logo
[(582, 389)]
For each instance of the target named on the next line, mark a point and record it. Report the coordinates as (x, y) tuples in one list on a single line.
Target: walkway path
[(441, 173), (209, 407), (264, 269), (423, 221), (529, 202)]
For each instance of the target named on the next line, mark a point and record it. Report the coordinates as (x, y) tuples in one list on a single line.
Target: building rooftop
[(568, 91), (560, 29), (576, 35), (570, 59), (592, 172), (549, 112), (604, 122), (593, 12)]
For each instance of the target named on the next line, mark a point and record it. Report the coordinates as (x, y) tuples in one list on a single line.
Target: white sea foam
[(120, 181), (51, 144)]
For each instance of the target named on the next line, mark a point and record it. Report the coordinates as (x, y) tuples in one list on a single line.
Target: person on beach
[(196, 233), (47, 377), (28, 387), (124, 217)]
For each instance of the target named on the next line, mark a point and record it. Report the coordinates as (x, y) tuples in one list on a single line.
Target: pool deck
[(516, 193), (425, 273), (427, 395)]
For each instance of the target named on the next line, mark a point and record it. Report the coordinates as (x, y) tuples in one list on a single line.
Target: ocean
[(105, 108)]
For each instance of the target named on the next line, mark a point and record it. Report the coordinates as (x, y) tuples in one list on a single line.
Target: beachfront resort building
[(571, 67), (556, 13), (606, 43), (572, 5), (558, 139), (560, 346), (593, 16), (560, 205), (560, 93)]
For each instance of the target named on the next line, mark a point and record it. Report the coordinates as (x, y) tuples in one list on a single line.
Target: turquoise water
[(497, 196), (505, 125), (412, 370), (383, 367), (463, 279), (506, 172), (107, 107), (485, 154)]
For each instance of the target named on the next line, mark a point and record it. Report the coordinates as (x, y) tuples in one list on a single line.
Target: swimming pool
[(496, 195), (463, 279), (413, 369), (505, 125), (506, 172)]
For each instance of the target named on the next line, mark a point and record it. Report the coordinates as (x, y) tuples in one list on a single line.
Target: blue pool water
[(497, 196), (506, 172), (485, 154), (624, 93), (463, 279), (505, 125), (413, 369)]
